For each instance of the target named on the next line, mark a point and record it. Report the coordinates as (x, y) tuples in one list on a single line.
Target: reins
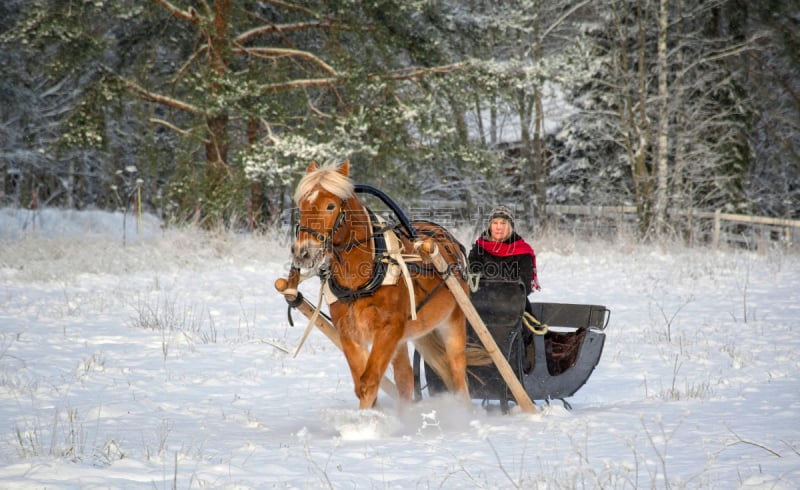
[(311, 322), (534, 325)]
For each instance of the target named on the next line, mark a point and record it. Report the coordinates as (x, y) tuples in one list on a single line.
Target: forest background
[(209, 110)]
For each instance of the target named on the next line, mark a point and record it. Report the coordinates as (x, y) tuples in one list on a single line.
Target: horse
[(337, 238)]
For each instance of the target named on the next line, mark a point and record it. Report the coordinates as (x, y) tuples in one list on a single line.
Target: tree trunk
[(539, 159), (678, 191), (662, 141), (256, 188), (632, 114), (217, 141), (526, 156), (645, 194), (217, 122), (70, 184)]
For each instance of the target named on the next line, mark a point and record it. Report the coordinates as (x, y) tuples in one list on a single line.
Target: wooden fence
[(713, 227)]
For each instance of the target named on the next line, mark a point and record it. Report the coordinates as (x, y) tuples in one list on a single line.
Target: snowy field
[(158, 359)]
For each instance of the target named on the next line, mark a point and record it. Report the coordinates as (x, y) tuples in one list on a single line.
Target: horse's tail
[(432, 349), (477, 355)]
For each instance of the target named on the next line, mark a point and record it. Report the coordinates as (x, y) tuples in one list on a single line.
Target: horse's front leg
[(384, 349), (356, 356)]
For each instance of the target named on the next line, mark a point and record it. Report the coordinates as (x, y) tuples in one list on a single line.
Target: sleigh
[(551, 365), (552, 353)]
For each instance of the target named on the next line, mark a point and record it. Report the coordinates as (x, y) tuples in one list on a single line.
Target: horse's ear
[(312, 167), (345, 168)]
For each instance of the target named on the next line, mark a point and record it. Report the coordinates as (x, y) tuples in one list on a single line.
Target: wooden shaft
[(430, 253), (307, 309), (324, 325)]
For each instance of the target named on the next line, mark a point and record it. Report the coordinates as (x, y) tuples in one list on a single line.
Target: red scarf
[(503, 249), (517, 247)]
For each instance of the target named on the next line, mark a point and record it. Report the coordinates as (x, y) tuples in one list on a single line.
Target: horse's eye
[(331, 207)]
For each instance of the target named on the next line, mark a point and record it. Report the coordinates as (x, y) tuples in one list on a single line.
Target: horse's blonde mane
[(329, 178)]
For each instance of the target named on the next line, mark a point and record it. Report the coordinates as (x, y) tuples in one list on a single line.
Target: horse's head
[(320, 198)]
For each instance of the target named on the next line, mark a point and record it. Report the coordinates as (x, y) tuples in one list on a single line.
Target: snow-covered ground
[(160, 359)]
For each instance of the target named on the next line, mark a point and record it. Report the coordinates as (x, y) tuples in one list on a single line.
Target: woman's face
[(499, 229)]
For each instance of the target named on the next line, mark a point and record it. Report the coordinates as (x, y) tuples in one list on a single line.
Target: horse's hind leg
[(403, 373), (454, 335)]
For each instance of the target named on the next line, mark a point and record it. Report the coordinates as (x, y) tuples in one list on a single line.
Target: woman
[(500, 253)]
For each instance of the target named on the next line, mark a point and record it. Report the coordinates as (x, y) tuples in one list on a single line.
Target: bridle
[(326, 239)]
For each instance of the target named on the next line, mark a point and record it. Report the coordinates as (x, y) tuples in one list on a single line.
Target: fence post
[(716, 228)]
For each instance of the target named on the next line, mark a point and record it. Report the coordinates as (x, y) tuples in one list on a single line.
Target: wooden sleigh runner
[(552, 352)]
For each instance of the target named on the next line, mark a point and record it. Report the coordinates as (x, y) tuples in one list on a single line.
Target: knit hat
[(504, 213)]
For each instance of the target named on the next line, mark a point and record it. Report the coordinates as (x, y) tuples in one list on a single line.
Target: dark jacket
[(511, 260)]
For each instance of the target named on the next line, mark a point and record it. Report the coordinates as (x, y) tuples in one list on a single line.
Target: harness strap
[(379, 269), (381, 259), (430, 295), (409, 285), (450, 271)]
